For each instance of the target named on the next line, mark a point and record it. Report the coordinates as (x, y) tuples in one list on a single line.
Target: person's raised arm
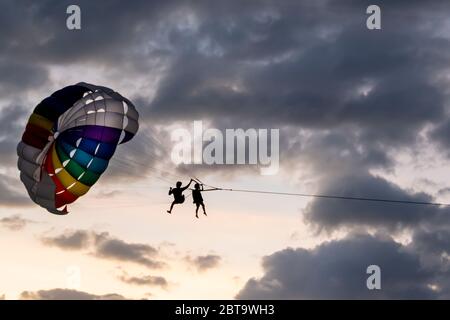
[(187, 186), (170, 191)]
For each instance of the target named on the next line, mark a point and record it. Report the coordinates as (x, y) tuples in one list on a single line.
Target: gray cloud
[(67, 294), (44, 37), (444, 191), (441, 134), (204, 263), (146, 280), (288, 84), (432, 243), (10, 196), (117, 249), (70, 240), (332, 214), (105, 246), (337, 270), (20, 76), (14, 223), (12, 124), (265, 68), (435, 241), (12, 118), (270, 61), (331, 153), (268, 64)]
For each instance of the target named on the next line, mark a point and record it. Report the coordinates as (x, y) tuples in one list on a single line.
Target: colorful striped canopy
[(68, 141)]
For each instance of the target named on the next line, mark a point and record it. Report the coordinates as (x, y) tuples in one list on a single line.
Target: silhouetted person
[(177, 192), (198, 199)]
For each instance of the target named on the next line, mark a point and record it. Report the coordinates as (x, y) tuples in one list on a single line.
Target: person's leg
[(204, 211), (196, 210), (171, 207)]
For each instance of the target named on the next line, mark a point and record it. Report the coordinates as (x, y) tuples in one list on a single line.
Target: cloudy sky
[(361, 113)]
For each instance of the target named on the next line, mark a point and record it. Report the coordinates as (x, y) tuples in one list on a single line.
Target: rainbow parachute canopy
[(68, 141)]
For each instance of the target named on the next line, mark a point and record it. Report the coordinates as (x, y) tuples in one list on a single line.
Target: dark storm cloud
[(67, 294), (17, 77), (146, 280), (351, 77), (306, 65), (206, 262), (442, 135), (105, 246), (10, 193), (14, 223), (309, 64), (12, 119), (337, 270), (434, 241), (330, 153), (332, 214), (299, 63), (38, 32)]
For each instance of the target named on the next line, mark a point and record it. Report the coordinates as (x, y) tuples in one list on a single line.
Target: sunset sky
[(362, 113)]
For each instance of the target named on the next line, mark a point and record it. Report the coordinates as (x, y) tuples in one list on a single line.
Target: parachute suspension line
[(324, 196), (125, 162), (155, 173), (155, 141)]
